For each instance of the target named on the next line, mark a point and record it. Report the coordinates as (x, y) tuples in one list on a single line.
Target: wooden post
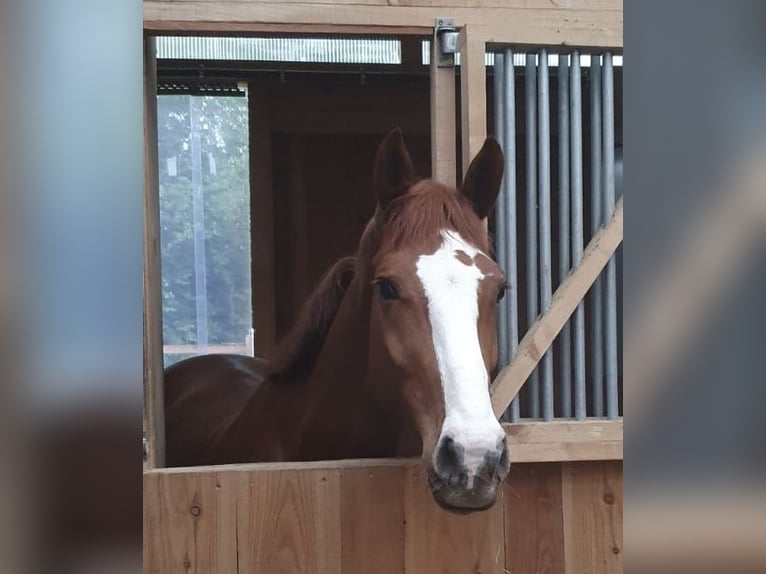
[(443, 137), (154, 403), (473, 94), (262, 222)]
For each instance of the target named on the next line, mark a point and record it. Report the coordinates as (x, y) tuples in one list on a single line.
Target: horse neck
[(342, 418)]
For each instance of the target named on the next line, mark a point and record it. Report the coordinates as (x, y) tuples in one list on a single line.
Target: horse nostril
[(449, 459)]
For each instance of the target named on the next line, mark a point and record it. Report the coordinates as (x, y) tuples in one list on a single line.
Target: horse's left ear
[(393, 168), (481, 183)]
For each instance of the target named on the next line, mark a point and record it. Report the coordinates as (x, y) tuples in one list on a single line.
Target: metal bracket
[(446, 42)]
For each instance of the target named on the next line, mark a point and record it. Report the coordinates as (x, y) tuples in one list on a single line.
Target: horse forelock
[(424, 212)]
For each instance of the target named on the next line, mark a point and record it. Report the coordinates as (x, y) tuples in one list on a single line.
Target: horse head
[(433, 291)]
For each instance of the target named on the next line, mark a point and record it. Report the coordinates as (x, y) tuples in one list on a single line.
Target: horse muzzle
[(462, 487)]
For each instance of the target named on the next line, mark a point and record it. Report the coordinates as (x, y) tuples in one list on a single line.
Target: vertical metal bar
[(597, 219), (530, 85), (565, 363), (544, 216), (198, 215), (500, 211), (509, 145), (577, 231), (611, 271)]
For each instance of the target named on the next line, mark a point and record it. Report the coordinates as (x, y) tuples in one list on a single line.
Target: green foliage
[(226, 186)]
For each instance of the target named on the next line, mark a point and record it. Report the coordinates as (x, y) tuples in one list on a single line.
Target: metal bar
[(575, 89), (530, 85), (597, 218), (565, 348), (198, 215), (509, 145), (544, 218), (611, 271), (500, 211)]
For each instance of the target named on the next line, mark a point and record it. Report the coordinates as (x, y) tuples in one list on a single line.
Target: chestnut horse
[(392, 355)]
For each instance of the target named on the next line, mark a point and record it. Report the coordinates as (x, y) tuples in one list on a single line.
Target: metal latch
[(446, 38)]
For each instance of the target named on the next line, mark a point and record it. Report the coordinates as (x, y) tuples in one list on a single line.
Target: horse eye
[(386, 289), (501, 293)]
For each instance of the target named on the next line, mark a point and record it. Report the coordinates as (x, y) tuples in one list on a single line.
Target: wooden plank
[(565, 440), (575, 26), (154, 403), (237, 349), (443, 112), (372, 518), (530, 442), (262, 223), (473, 95), (440, 542), (541, 334), (592, 514), (528, 4), (289, 523), (379, 518), (591, 430), (569, 451), (534, 528), (594, 29), (190, 523)]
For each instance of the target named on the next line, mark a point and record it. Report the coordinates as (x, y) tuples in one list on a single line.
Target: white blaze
[(452, 290)]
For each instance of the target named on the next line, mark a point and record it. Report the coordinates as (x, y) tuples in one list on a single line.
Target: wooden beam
[(565, 300), (564, 440), (443, 112), (262, 222), (154, 403), (596, 23), (233, 348), (473, 95)]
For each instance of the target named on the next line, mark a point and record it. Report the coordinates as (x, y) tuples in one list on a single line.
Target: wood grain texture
[(439, 542), (154, 403), (190, 523), (536, 22), (473, 95), (527, 4), (544, 330), (592, 515), (567, 431), (443, 118), (379, 516), (534, 536), (372, 516), (291, 523)]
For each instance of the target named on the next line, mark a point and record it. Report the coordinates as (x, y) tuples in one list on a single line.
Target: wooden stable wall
[(373, 517)]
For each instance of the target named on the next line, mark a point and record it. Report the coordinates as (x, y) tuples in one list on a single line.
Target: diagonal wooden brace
[(570, 293)]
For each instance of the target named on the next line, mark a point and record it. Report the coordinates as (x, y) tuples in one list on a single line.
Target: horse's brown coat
[(357, 377)]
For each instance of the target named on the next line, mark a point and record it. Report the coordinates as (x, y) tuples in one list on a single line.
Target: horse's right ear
[(393, 168)]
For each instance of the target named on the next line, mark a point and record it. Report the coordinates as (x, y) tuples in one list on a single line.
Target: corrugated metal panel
[(314, 50)]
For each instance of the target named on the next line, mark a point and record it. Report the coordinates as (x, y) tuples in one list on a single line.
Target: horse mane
[(296, 355), (425, 210)]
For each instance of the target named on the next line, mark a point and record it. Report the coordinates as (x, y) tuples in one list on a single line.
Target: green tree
[(224, 127)]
